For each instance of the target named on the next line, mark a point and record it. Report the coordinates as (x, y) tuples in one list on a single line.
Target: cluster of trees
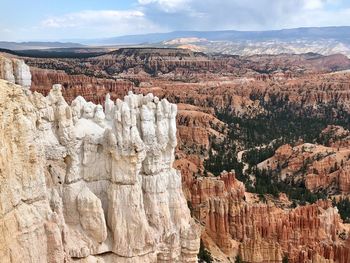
[(283, 120), (285, 259), (344, 209), (238, 259), (267, 183), (257, 155), (223, 156), (203, 254)]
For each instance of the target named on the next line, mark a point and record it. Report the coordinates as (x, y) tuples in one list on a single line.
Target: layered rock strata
[(82, 184), (319, 167), (15, 71), (233, 223), (92, 89), (236, 222)]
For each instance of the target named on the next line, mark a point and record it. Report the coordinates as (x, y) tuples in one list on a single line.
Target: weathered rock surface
[(241, 85), (212, 200), (15, 71), (92, 89), (237, 222), (182, 64), (237, 86), (195, 131), (321, 168), (81, 184)]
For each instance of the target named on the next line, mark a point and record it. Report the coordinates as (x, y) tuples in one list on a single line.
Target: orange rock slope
[(236, 222), (91, 88), (321, 168)]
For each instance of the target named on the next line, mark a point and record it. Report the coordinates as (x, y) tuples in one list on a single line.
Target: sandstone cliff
[(321, 168), (236, 222), (15, 71), (92, 89), (86, 185), (185, 65), (241, 85)]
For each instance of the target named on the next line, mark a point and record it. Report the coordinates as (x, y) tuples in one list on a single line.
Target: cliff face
[(15, 71), (79, 183), (92, 89), (185, 65), (242, 85), (195, 131), (24, 208), (321, 168), (212, 200), (236, 222)]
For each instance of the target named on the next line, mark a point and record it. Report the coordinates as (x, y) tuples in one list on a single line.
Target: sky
[(49, 20)]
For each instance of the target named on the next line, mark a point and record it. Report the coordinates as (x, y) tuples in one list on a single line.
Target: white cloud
[(167, 15), (313, 4), (6, 30), (321, 17), (90, 17), (220, 14), (168, 6), (108, 22), (243, 15), (318, 4)]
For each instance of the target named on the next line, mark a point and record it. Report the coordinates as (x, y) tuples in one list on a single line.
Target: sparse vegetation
[(204, 255), (344, 209), (283, 123), (285, 259), (223, 157), (257, 155), (267, 183), (238, 259)]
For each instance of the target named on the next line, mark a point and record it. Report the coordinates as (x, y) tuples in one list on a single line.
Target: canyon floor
[(263, 146)]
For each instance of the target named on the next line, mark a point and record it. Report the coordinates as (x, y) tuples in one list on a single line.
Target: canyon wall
[(15, 71), (236, 222), (92, 89), (319, 167), (242, 96), (86, 185)]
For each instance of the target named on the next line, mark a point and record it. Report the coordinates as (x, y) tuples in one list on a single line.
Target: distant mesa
[(322, 40)]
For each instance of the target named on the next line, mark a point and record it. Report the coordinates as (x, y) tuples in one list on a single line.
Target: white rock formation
[(15, 71), (79, 184)]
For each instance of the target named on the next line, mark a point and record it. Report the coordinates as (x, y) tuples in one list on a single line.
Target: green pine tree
[(285, 259), (238, 259), (203, 254)]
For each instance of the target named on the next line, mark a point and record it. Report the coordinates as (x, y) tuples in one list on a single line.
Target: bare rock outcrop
[(234, 220), (92, 89), (212, 199), (81, 184), (28, 227), (319, 167), (15, 71), (238, 223)]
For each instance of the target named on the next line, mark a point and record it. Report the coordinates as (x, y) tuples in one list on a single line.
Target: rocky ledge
[(83, 184)]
